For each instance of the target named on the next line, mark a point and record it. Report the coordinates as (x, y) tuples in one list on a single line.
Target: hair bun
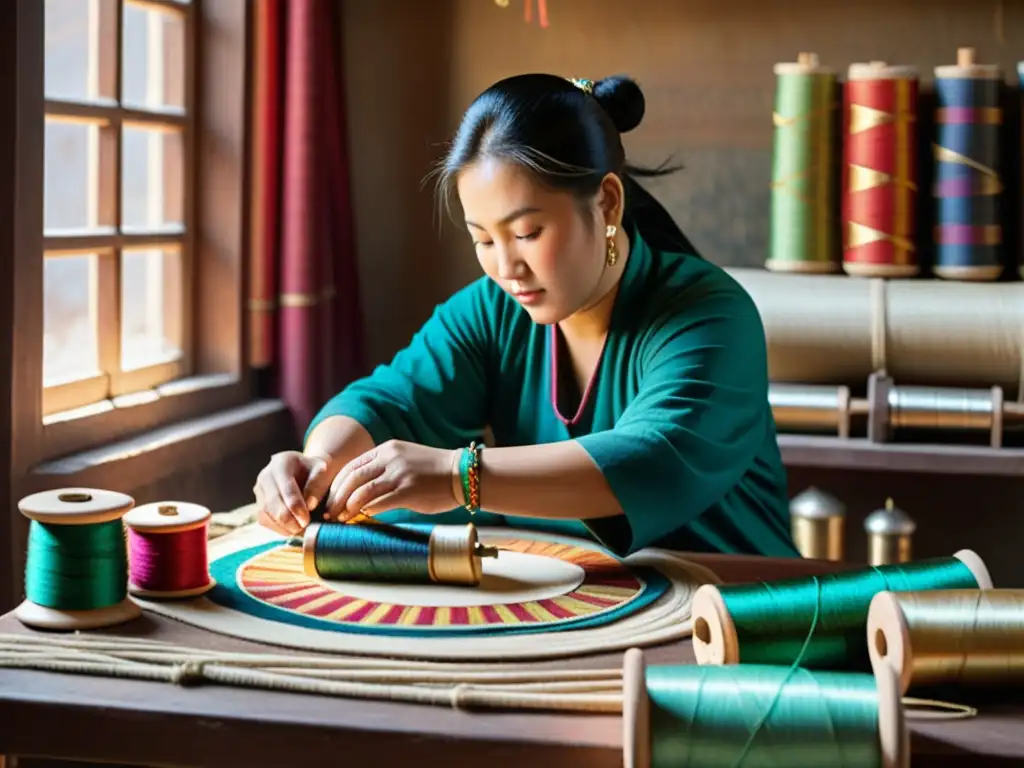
[(622, 99)]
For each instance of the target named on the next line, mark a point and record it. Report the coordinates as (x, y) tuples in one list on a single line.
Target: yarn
[(880, 173), (963, 637), (968, 233), (168, 562), (167, 550), (819, 619), (373, 552), (803, 215), (445, 554), (76, 567)]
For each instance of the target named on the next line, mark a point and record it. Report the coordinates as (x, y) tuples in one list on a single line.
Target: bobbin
[(167, 518), (890, 642), (820, 78), (890, 407), (893, 736), (716, 641), (968, 68), (865, 72), (75, 506), (453, 557), (814, 407)]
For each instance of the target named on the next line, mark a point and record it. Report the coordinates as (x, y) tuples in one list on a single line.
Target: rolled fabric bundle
[(832, 329)]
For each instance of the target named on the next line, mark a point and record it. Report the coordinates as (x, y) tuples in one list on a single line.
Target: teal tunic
[(677, 418)]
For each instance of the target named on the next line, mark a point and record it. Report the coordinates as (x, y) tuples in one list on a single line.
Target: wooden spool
[(893, 737), (715, 640), (890, 644), (167, 518), (75, 506)]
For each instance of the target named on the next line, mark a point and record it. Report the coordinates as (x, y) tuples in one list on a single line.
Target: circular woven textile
[(545, 595)]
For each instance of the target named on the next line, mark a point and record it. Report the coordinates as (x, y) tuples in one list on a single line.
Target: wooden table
[(142, 723)]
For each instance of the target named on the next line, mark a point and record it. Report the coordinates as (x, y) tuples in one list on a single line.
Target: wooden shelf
[(860, 455)]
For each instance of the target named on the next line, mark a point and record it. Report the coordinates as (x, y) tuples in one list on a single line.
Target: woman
[(624, 378)]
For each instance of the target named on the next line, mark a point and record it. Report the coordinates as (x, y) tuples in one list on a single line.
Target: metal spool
[(889, 533), (817, 521)]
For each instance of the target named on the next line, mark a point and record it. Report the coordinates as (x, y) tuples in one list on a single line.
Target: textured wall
[(705, 65)]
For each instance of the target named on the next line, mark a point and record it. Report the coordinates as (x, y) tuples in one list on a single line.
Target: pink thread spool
[(167, 550)]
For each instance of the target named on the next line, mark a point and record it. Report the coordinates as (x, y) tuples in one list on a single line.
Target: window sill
[(154, 455), (122, 417)]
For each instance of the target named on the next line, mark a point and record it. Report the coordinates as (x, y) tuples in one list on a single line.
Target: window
[(116, 248), (128, 236)]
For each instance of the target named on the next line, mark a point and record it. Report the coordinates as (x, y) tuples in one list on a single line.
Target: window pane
[(71, 179), (151, 307), (70, 345), (68, 47), (154, 58), (152, 193)]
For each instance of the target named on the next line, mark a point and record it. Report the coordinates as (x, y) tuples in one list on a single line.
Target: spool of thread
[(880, 174), (817, 521), (167, 550), (76, 569), (803, 218), (962, 637), (889, 533), (968, 235), (759, 715), (817, 619), (446, 554), (815, 407)]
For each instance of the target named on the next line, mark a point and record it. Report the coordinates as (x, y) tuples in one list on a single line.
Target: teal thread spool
[(446, 554), (76, 569), (769, 622), (756, 715)]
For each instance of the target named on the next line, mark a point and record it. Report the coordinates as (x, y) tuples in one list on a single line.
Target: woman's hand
[(289, 488), (395, 475)]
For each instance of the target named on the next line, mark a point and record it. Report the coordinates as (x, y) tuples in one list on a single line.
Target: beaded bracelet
[(469, 472)]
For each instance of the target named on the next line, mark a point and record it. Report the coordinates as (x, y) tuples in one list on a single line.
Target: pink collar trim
[(554, 381)]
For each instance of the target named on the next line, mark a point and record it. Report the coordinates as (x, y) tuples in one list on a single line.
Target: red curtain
[(305, 310)]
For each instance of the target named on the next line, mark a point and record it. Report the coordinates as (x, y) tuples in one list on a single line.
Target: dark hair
[(569, 138)]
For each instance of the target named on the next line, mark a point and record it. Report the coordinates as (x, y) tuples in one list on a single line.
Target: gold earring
[(612, 254)]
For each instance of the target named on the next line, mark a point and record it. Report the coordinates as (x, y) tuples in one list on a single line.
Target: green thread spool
[(76, 568), (757, 715), (446, 554), (769, 622), (804, 222)]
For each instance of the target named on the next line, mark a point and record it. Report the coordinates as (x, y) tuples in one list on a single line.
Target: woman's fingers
[(271, 524), (346, 484), (274, 512), (291, 497), (394, 499), (370, 498)]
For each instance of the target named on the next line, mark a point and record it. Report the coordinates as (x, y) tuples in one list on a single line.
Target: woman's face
[(533, 241)]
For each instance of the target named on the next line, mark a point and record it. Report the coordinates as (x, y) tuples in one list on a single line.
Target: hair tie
[(587, 86)]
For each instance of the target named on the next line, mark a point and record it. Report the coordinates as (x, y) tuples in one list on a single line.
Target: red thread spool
[(880, 175), (167, 555)]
